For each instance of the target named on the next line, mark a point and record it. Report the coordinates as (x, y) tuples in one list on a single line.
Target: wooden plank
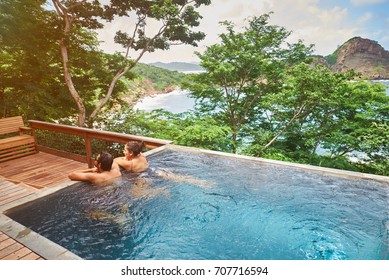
[(39, 170), (3, 236), (17, 139), (4, 182), (56, 171), (7, 185), (10, 249), (97, 134), (16, 146), (18, 254), (32, 256), (16, 149), (4, 187), (15, 197), (26, 164), (18, 155), (63, 154), (10, 190), (6, 243), (10, 124), (16, 193)]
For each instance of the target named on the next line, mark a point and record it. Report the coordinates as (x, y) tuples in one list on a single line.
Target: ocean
[(179, 101)]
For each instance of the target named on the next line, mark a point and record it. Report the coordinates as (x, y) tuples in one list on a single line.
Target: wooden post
[(33, 133), (88, 149)]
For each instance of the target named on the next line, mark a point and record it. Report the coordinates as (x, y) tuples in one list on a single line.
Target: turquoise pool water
[(198, 206)]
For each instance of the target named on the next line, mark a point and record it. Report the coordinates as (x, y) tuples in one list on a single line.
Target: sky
[(325, 23)]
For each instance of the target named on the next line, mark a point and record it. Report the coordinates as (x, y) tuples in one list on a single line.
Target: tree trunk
[(234, 142), (70, 85), (104, 101), (63, 12)]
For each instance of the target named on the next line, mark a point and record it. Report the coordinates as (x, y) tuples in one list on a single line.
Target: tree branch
[(296, 115)]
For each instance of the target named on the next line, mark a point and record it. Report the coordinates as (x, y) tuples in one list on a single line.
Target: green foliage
[(159, 77), (332, 58), (176, 20), (184, 129), (31, 79), (279, 107), (179, 66), (258, 97), (241, 70), (172, 21), (29, 61)]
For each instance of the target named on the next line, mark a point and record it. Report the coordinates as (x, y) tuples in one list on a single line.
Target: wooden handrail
[(89, 134)]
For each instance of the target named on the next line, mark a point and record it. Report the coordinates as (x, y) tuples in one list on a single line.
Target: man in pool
[(105, 169)]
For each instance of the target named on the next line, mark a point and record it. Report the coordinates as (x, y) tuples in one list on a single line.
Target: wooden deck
[(10, 249), (25, 176), (40, 170)]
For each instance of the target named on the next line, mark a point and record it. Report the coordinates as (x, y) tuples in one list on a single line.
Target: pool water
[(195, 206)]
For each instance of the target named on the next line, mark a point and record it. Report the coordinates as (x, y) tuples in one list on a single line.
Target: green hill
[(156, 78), (178, 66)]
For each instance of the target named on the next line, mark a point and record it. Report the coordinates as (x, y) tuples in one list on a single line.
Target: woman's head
[(134, 147)]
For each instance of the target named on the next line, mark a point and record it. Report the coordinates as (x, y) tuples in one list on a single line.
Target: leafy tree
[(242, 70), (176, 18), (31, 73), (185, 129), (278, 106), (317, 108), (362, 129), (308, 106), (28, 61)]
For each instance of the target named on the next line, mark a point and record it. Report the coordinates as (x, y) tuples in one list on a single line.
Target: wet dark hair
[(135, 147), (106, 160)]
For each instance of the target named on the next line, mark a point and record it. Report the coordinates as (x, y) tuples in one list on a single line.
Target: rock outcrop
[(362, 55)]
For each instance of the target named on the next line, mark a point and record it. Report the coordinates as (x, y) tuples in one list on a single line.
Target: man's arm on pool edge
[(83, 175)]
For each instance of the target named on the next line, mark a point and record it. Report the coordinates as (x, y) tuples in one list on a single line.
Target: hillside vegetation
[(179, 66), (157, 79)]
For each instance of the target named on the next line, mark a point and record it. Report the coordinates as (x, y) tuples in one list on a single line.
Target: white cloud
[(326, 28), (360, 3), (365, 18)]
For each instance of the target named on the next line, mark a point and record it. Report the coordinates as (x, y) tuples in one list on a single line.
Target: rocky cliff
[(363, 55)]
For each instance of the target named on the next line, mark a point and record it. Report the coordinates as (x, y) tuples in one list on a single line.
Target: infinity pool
[(196, 206)]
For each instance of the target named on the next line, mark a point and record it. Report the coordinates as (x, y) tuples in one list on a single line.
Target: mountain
[(363, 55), (178, 66)]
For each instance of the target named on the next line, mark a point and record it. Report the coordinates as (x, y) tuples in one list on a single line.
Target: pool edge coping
[(319, 169)]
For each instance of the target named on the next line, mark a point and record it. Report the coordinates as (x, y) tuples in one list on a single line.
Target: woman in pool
[(133, 159)]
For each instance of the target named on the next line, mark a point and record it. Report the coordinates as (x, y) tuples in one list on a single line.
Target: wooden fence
[(87, 134)]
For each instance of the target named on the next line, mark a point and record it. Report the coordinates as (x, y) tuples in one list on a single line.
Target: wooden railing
[(88, 134)]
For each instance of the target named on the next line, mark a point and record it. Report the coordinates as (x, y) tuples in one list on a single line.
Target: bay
[(179, 101)]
